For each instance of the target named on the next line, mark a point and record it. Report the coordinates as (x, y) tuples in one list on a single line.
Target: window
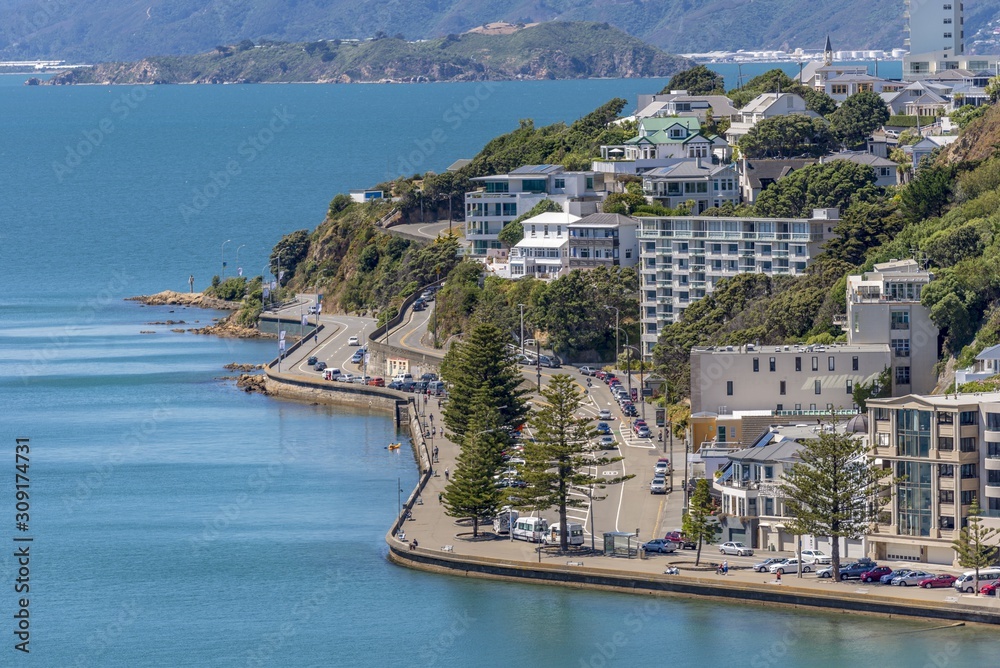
[(781, 387), (628, 253), (968, 417), (947, 21), (815, 364), (992, 449), (993, 421), (946, 418), (729, 388), (559, 183), (830, 363), (771, 364), (901, 347), (882, 414), (818, 386), (946, 496), (756, 364), (967, 444), (913, 432), (882, 439), (947, 35), (946, 443), (946, 470), (798, 364), (968, 496), (970, 470), (900, 319), (913, 494), (902, 375), (946, 523), (838, 89), (854, 363), (850, 387)]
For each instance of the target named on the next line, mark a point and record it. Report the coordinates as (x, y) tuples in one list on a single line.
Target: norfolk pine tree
[(482, 368), (834, 491), (971, 545), (698, 524), (472, 492), (561, 456)]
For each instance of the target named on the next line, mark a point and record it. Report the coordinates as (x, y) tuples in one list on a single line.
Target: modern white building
[(729, 379), (935, 26), (943, 451), (987, 365), (705, 183), (883, 307), (503, 197), (684, 257), (603, 240), (544, 250), (680, 103)]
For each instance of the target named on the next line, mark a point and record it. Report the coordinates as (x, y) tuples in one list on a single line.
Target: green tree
[(862, 226), (966, 114), (699, 523), (993, 89), (834, 491), (786, 137), (973, 544), (289, 252), (838, 183), (878, 387), (472, 492), (776, 81), (482, 370), (559, 459), (698, 80), (928, 193), (858, 116), (952, 317)]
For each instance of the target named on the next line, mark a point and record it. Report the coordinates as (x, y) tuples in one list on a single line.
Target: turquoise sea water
[(180, 522)]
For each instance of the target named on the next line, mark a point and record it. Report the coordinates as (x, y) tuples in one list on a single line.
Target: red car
[(876, 573), (678, 537), (943, 580), (601, 375), (990, 589), (377, 382)]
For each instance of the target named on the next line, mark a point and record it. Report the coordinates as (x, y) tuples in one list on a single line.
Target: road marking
[(659, 517)]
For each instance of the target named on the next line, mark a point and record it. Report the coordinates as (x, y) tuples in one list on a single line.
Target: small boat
[(393, 446)]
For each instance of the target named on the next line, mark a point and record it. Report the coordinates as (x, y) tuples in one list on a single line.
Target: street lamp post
[(238, 256), (522, 329), (538, 363), (224, 258)]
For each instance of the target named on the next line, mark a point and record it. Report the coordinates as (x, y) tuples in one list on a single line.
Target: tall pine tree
[(834, 491), (561, 456), (472, 492), (972, 546), (482, 369), (699, 524)]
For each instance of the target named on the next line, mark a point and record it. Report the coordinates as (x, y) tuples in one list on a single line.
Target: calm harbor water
[(180, 522)]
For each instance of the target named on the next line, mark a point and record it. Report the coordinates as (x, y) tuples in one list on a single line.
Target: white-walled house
[(659, 141), (544, 250), (986, 365), (765, 105), (705, 183), (603, 240)]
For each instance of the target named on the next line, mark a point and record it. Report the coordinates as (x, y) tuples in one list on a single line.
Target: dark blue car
[(603, 428)]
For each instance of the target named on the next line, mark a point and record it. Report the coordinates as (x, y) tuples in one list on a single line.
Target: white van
[(501, 523), (331, 374), (575, 534), (531, 529), (966, 582), (402, 378)]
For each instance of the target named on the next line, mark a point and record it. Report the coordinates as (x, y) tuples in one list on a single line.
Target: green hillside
[(546, 51)]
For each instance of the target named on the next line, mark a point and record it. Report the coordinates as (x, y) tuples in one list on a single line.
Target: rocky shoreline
[(197, 299)]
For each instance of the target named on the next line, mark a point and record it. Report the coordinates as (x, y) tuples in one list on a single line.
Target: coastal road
[(332, 346)]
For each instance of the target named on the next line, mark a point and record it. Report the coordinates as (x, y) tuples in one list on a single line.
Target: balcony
[(992, 490), (992, 463)]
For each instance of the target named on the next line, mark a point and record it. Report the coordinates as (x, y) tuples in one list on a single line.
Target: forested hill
[(558, 50), (126, 30)]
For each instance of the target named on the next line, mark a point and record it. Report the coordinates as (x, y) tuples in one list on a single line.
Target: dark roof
[(604, 219), (774, 169), (829, 47)]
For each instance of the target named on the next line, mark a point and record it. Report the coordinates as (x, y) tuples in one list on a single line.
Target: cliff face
[(543, 51)]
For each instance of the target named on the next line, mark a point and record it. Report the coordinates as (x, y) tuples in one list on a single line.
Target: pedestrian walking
[(440, 496), (435, 453), (777, 577), (725, 567), (446, 475)]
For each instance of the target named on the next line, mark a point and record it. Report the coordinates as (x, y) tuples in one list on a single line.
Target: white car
[(604, 414), (661, 468), (791, 566), (354, 341), (346, 378), (607, 442), (816, 556), (737, 548), (658, 485)]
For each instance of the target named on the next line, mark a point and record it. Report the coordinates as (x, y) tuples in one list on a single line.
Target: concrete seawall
[(676, 585)]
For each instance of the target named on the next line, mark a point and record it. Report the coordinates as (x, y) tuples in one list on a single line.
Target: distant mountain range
[(556, 50), (103, 30)]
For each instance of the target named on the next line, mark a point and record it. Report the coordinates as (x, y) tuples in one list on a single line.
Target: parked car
[(766, 564), (607, 442), (658, 485), (644, 432), (791, 565), (851, 571), (524, 359), (549, 362), (354, 341), (887, 578), (600, 375), (990, 589), (603, 428), (942, 580), (420, 386), (361, 380), (312, 360), (346, 378), (816, 556), (588, 370), (314, 309), (319, 366), (661, 468), (659, 545), (604, 414), (377, 381), (429, 377), (737, 548), (630, 410), (911, 578), (678, 537), (875, 574)]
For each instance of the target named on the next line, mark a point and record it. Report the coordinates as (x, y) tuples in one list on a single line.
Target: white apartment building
[(504, 197), (684, 257), (728, 379), (603, 240), (883, 307), (935, 25), (944, 451)]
